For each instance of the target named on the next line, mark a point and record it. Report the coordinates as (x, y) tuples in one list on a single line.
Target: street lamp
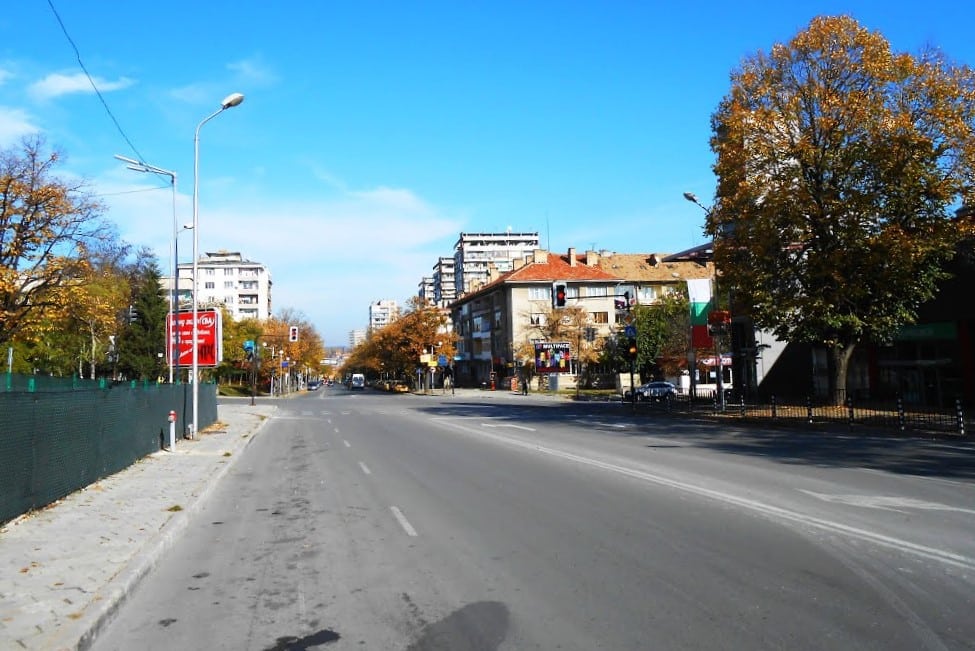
[(719, 359), (186, 227), (139, 166), (229, 101)]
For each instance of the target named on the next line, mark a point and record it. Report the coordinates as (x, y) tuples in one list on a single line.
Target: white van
[(358, 381)]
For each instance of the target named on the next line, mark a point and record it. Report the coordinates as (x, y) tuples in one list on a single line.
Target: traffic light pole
[(632, 387)]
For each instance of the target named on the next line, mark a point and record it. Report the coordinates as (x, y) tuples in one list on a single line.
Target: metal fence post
[(743, 405), (901, 416), (773, 407), (849, 407), (809, 412), (960, 416)]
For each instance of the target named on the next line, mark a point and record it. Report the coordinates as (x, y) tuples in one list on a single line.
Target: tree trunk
[(839, 365), (93, 345)]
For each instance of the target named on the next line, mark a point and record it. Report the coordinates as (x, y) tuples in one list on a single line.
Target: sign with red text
[(209, 337)]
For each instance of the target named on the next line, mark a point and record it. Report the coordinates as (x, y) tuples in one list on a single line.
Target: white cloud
[(253, 71), (14, 125), (56, 85), (328, 258)]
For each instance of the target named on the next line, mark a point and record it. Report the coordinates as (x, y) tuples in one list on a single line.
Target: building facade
[(499, 321), (229, 280), (444, 282), (476, 253), (382, 313)]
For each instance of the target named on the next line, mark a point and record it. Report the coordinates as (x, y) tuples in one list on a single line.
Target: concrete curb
[(81, 633)]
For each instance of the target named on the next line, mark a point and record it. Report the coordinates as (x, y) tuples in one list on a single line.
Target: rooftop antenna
[(548, 233)]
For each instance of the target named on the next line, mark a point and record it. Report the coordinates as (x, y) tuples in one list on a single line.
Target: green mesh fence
[(58, 435)]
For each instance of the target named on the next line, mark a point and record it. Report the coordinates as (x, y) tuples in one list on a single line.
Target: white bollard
[(172, 431)]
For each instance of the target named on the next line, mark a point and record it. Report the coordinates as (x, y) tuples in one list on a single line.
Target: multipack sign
[(552, 357)]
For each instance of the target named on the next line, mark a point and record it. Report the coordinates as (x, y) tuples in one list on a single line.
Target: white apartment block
[(226, 279), (426, 289), (382, 313), (444, 286), (474, 253), (356, 337)]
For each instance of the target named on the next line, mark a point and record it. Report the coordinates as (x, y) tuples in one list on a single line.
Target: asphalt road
[(373, 521)]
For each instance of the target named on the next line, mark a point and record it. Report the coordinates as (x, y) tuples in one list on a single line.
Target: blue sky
[(372, 134)]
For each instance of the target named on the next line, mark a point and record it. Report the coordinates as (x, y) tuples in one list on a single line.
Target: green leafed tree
[(839, 165), (142, 343)]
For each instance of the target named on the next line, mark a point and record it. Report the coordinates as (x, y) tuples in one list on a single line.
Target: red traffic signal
[(558, 296), (293, 333)]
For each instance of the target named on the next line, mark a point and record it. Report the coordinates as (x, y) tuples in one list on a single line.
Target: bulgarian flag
[(699, 292)]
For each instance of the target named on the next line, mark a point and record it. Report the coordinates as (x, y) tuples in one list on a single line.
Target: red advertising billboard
[(209, 335)]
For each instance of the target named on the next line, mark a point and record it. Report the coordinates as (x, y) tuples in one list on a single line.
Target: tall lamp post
[(139, 166), (719, 358), (186, 227), (229, 101)]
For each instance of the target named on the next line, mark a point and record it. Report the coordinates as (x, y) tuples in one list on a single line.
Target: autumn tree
[(86, 312), (44, 223), (396, 349), (838, 163)]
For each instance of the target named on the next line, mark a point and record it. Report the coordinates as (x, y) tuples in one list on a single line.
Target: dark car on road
[(656, 391)]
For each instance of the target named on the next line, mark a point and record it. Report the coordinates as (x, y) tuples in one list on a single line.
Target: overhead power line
[(92, 81)]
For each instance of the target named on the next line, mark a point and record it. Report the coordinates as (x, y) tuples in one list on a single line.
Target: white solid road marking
[(347, 444), (933, 553), (365, 468), (403, 522), (885, 502), (512, 425)]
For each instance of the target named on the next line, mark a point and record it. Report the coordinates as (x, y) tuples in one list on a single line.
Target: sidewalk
[(66, 568)]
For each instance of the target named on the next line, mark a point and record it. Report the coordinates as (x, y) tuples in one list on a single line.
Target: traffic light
[(631, 348), (133, 314), (558, 295), (293, 333)]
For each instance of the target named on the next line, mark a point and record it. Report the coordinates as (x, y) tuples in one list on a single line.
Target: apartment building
[(444, 281), (226, 279), (496, 320), (356, 337), (426, 289), (476, 253), (382, 313)]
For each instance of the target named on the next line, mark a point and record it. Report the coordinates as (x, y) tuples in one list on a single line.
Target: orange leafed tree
[(44, 224), (840, 164)]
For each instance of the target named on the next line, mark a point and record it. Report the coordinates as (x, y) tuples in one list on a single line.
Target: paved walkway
[(66, 568)]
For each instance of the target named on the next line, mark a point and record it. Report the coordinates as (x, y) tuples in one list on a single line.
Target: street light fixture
[(229, 101), (139, 166)]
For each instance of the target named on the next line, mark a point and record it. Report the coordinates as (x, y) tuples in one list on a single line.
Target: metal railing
[(895, 415)]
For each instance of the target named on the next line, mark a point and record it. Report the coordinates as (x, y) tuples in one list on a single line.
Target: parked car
[(656, 391), (312, 385)]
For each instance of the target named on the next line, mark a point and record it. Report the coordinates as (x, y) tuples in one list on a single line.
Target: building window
[(228, 284), (537, 319), (209, 285), (540, 293), (571, 291), (648, 295), (211, 272), (601, 290), (599, 317), (229, 272)]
